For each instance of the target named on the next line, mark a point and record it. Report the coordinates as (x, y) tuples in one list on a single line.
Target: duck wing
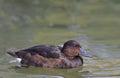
[(48, 51)]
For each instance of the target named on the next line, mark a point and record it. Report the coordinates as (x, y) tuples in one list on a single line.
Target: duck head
[(71, 49)]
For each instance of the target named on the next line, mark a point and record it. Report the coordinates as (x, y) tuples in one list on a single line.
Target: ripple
[(43, 76)]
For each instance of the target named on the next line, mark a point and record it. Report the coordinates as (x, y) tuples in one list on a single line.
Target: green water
[(94, 23)]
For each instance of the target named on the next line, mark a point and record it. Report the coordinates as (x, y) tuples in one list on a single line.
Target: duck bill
[(84, 53)]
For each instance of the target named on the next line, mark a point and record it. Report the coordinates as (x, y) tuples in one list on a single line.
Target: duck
[(50, 56)]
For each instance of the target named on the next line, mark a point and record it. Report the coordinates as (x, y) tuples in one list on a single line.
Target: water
[(95, 24)]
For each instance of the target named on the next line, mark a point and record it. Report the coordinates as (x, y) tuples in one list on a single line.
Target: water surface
[(95, 24)]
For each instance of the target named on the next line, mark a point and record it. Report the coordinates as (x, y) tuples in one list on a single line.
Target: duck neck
[(68, 57)]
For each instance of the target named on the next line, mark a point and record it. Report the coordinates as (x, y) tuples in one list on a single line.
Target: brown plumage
[(51, 56)]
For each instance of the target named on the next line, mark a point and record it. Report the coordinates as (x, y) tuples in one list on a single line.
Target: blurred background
[(94, 23)]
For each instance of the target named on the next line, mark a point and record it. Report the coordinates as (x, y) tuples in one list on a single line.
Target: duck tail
[(12, 54)]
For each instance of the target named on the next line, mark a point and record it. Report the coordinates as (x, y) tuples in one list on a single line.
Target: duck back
[(48, 51)]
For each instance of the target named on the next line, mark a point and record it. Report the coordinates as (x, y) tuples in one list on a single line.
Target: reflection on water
[(50, 72), (95, 24)]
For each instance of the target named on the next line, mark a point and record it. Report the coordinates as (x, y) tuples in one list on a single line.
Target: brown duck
[(51, 56)]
